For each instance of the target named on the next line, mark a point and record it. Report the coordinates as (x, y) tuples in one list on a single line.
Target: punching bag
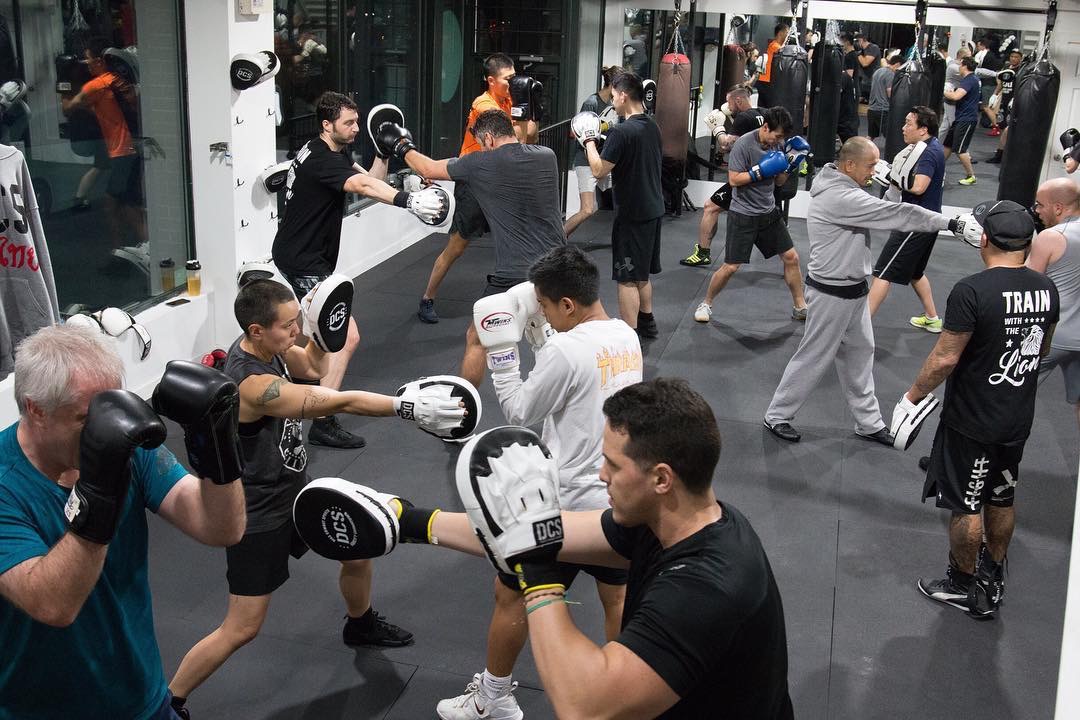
[(910, 87), (732, 69), (1034, 99), (935, 70), (673, 118), (825, 73), (789, 75)]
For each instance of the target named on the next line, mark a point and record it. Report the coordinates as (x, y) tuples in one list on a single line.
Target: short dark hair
[(492, 122), (257, 303), (778, 118), (1017, 51), (566, 271), (629, 83), (970, 64), (846, 37), (329, 106), (780, 26), (495, 62), (925, 118), (749, 48), (895, 59), (667, 422)]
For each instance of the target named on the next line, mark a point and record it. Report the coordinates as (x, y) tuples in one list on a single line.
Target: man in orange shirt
[(764, 81), (103, 95), (469, 221)]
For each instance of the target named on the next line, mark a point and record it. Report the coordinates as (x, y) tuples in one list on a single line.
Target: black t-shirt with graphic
[(851, 60), (272, 448), (1007, 78), (990, 395), (705, 614), (309, 235), (634, 147), (747, 121)]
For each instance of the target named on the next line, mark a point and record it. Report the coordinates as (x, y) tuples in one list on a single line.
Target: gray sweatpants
[(837, 330)]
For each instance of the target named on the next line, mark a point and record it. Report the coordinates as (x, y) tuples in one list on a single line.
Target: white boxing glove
[(968, 229), (537, 328), (430, 406), (881, 173), (586, 127), (313, 47), (500, 323), (715, 121)]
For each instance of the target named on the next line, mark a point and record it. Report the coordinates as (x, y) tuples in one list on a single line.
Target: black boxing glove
[(394, 140), (1069, 139), (117, 422), (206, 403)]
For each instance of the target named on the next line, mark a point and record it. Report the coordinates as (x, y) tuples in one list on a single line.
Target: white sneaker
[(703, 313), (473, 705)]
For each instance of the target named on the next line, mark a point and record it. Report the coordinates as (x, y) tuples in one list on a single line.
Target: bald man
[(1056, 253), (838, 329)]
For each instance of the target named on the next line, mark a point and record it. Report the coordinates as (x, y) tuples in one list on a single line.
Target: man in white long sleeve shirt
[(590, 357), (838, 328)]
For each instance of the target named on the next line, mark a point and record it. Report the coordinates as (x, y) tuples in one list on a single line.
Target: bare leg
[(455, 246), (339, 361), (1001, 140), (1000, 522), (612, 598), (719, 280), (965, 536), (965, 160), (630, 302), (242, 622), (645, 296), (474, 361), (508, 631), (355, 584), (710, 218), (879, 290), (86, 183), (793, 277), (588, 207), (925, 295)]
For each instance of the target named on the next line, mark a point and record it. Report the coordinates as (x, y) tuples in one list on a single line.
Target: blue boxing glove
[(772, 163), (797, 148)]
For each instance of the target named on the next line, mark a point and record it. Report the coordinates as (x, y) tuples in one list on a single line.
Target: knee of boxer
[(352, 339), (790, 257)]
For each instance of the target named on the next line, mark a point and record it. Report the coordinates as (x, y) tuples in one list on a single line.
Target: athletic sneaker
[(989, 580), (969, 180), (329, 433), (931, 326), (137, 255), (381, 632), (996, 160), (703, 313), (79, 204), (474, 705), (646, 327), (995, 131), (798, 314), (427, 313), (700, 256), (955, 590)]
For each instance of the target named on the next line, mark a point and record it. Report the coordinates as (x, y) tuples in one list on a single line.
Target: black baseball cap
[(1007, 225)]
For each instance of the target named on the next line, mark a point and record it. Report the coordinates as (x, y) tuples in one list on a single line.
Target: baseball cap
[(1007, 225)]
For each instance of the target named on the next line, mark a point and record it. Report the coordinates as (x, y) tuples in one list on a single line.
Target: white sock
[(931, 318), (493, 686)]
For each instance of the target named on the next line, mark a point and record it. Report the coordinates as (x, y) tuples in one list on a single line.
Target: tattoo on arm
[(313, 401), (271, 393)]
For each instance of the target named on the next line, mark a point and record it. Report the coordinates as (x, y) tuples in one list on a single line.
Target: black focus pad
[(379, 115), (341, 520)]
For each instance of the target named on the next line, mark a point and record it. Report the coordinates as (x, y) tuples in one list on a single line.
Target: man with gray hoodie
[(838, 328)]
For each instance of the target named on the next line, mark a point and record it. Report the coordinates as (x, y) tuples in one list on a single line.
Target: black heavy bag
[(789, 75), (732, 69), (935, 70), (825, 84), (911, 87), (1034, 100)]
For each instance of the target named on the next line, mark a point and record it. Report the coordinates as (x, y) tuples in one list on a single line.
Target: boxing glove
[(117, 422), (394, 140), (881, 173), (772, 163), (648, 93), (715, 122), (965, 227), (608, 119), (1069, 139), (500, 322), (519, 96), (206, 404), (586, 127), (536, 99), (537, 328), (797, 149), (312, 47), (430, 405)]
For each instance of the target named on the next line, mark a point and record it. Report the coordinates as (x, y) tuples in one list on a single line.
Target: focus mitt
[(881, 173), (274, 178), (905, 164), (608, 118), (326, 310), (260, 270), (433, 205), (648, 93), (908, 419), (586, 127), (509, 485), (116, 322), (249, 69), (341, 520), (379, 115), (437, 398)]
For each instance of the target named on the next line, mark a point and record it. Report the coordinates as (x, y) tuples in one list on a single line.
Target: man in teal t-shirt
[(76, 621)]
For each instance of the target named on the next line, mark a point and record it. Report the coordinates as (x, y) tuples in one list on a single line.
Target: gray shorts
[(1069, 362)]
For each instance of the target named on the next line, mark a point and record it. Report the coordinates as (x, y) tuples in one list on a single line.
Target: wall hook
[(243, 223), (240, 182), (239, 120)]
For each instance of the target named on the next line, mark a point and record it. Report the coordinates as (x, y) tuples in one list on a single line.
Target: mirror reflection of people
[(600, 103), (765, 79), (635, 52)]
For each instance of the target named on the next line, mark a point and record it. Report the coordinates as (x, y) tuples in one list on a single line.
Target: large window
[(101, 127)]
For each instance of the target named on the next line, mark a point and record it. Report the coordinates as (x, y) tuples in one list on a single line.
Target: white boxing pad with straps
[(420, 397), (274, 178), (342, 520), (263, 269), (249, 69), (116, 322), (377, 116), (905, 163), (908, 419), (432, 205), (509, 485), (326, 310)]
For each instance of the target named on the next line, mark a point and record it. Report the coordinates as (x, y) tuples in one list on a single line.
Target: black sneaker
[(427, 313), (882, 436), (701, 256), (924, 463), (646, 327), (328, 433), (996, 160), (783, 430), (989, 586), (381, 633), (954, 589)]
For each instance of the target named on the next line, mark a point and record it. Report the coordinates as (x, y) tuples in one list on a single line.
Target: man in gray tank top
[(1056, 252)]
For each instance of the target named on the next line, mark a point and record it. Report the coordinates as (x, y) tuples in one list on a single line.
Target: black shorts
[(303, 284), (635, 249), (496, 285), (469, 221), (959, 137), (607, 575), (965, 474), (126, 179), (875, 122), (767, 233), (259, 563), (904, 257)]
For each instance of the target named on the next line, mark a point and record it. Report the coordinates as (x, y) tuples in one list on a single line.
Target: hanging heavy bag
[(673, 104), (732, 69), (826, 81), (1034, 100), (789, 75), (934, 65), (910, 87)]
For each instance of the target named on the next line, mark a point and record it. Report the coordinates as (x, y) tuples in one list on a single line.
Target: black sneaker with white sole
[(956, 590), (327, 432)]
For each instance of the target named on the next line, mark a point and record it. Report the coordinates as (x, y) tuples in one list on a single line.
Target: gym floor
[(840, 518)]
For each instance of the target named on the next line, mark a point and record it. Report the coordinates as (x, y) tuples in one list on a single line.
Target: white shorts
[(586, 183)]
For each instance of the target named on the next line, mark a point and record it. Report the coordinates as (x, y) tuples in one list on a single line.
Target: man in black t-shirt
[(309, 236), (869, 60), (633, 158), (998, 324)]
